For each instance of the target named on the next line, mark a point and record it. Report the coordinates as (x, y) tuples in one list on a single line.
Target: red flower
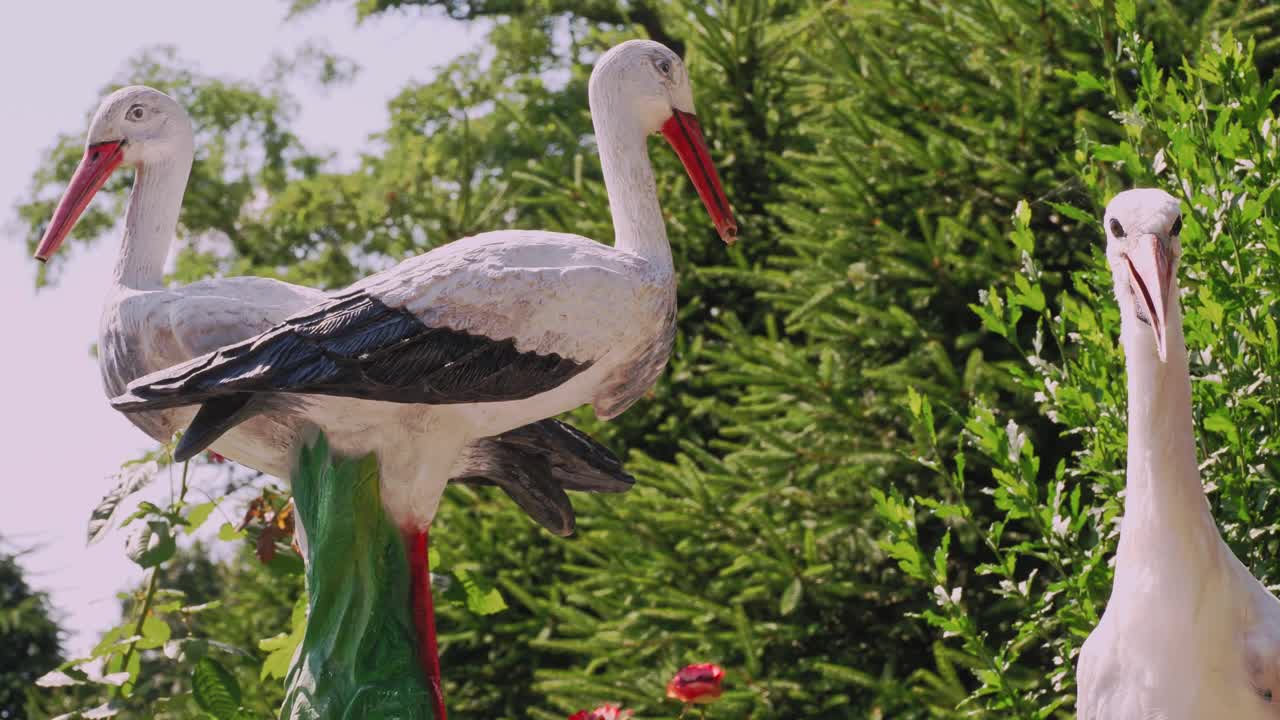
[(604, 712), (216, 458), (698, 683)]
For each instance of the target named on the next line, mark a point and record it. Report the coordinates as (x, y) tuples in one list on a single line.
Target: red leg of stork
[(424, 617)]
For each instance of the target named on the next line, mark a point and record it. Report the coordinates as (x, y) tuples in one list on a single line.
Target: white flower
[(1017, 439), (1060, 526)]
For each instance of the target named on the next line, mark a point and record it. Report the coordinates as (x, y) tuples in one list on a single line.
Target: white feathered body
[(1184, 648)]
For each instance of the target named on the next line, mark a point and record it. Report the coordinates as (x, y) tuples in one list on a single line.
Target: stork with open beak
[(1188, 632), (446, 365)]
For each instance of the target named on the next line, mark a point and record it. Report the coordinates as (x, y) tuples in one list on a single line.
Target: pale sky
[(58, 437)]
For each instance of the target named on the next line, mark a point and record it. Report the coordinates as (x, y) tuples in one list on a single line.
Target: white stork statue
[(439, 365), (1188, 633)]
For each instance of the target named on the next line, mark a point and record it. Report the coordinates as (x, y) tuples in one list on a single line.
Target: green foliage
[(881, 476), (29, 639), (1204, 131), (215, 690), (282, 647), (182, 647)]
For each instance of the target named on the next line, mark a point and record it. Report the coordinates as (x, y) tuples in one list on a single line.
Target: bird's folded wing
[(356, 345), (200, 318)]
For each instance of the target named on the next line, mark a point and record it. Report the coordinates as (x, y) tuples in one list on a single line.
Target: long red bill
[(685, 135), (99, 160)]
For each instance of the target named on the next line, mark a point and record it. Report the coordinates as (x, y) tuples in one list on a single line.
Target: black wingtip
[(185, 450), (612, 482), (128, 403), (140, 398), (534, 490), (211, 422), (579, 462)]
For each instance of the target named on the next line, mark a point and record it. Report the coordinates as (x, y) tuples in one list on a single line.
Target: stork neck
[(151, 222), (1166, 514), (628, 177)]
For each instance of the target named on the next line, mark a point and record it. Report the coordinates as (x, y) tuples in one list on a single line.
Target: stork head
[(1142, 228), (133, 126), (644, 84)]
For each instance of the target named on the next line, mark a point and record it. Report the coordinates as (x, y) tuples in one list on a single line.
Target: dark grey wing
[(536, 463), (352, 345), (577, 461)]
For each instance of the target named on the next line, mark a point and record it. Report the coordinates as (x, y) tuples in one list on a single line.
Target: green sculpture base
[(358, 657)]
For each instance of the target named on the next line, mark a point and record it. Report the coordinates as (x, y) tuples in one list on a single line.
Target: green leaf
[(280, 649), (479, 596), (1220, 422), (791, 597), (151, 544), (1126, 14), (155, 633), (198, 514), (1086, 81), (228, 532), (1022, 213), (215, 689), (1074, 213)]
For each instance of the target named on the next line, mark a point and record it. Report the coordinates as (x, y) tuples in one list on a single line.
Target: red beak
[(685, 135), (99, 160)]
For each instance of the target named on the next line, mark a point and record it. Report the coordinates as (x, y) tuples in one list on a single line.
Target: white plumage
[(1188, 632)]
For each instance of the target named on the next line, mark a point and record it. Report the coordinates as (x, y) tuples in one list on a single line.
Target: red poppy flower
[(604, 712), (697, 683), (216, 458)]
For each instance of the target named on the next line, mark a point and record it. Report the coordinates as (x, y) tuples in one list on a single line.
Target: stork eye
[(137, 112), (1177, 226), (664, 66), (1116, 228)]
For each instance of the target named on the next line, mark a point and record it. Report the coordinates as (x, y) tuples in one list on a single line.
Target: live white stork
[(444, 365), (1188, 632)]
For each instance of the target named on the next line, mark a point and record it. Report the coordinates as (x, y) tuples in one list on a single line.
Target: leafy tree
[(30, 640)]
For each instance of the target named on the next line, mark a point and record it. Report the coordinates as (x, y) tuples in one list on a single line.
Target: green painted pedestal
[(357, 660)]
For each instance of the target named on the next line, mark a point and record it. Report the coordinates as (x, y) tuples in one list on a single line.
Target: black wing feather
[(355, 346)]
